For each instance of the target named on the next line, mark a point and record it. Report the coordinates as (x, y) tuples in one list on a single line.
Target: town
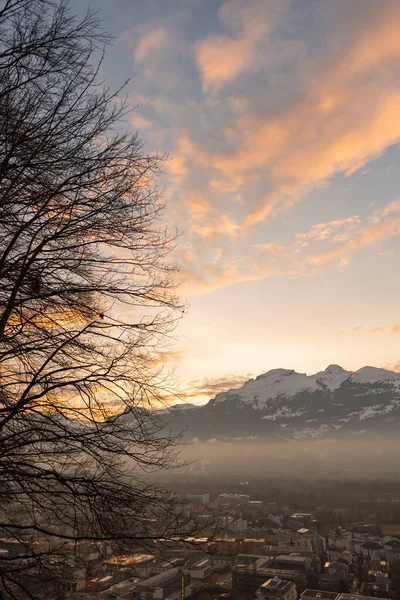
[(245, 549)]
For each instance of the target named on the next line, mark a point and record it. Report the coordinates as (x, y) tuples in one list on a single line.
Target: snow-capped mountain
[(285, 404)]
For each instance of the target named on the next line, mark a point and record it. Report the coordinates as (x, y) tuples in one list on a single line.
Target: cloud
[(300, 108), (343, 264), (204, 218), (211, 386), (345, 116), (391, 208), (152, 37), (393, 367), (140, 122), (201, 277), (222, 57), (204, 268), (380, 330), (171, 356), (366, 236), (330, 231), (387, 330)]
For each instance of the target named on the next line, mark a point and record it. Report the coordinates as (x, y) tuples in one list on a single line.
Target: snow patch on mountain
[(332, 377), (369, 412), (374, 375), (284, 413)]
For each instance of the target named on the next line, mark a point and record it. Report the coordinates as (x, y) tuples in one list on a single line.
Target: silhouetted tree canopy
[(86, 299)]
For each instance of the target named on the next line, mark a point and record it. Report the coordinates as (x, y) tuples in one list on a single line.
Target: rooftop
[(158, 579), (274, 584), (292, 558), (129, 560), (320, 594), (202, 563), (377, 587), (356, 597)]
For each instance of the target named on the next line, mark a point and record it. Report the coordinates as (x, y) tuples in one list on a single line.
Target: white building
[(238, 526), (202, 569), (276, 589)]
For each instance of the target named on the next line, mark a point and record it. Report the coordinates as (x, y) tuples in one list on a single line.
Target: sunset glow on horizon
[(282, 122)]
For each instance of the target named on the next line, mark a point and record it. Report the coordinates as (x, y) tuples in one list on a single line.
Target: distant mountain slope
[(283, 404)]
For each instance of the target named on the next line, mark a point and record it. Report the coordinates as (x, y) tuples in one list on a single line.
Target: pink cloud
[(151, 38)]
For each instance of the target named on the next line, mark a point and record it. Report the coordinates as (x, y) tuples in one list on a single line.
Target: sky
[(282, 122)]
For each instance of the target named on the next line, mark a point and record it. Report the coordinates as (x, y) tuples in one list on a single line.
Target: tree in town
[(86, 300)]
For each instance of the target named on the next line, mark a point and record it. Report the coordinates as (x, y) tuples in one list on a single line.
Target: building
[(356, 597), (376, 590), (172, 582), (343, 555), (221, 561), (304, 518), (306, 537), (298, 550), (250, 572), (154, 567), (318, 543), (223, 546), (276, 589), (380, 565), (336, 568), (319, 595), (378, 577), (134, 561), (256, 506), (201, 569), (372, 549), (293, 561), (253, 546), (203, 499), (74, 580), (334, 577), (232, 501), (237, 526)]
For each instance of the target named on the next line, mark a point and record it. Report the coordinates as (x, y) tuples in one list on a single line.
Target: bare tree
[(86, 299)]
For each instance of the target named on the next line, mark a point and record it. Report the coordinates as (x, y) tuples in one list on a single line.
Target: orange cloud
[(270, 154), (177, 168), (205, 219), (391, 330), (347, 116), (169, 356), (221, 58), (365, 237), (307, 254), (264, 260), (329, 231), (199, 206)]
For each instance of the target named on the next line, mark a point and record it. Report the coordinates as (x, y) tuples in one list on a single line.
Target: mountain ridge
[(283, 404)]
